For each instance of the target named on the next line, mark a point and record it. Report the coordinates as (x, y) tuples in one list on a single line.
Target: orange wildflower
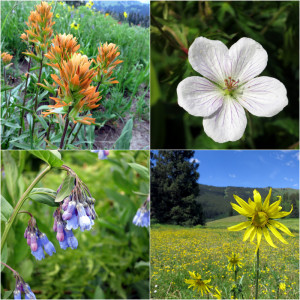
[(6, 58), (62, 48), (39, 30), (106, 62)]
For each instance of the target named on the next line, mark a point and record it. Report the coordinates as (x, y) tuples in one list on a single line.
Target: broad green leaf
[(10, 124), (142, 264), (4, 256), (11, 174), (66, 188), (51, 157), (6, 209), (123, 142), (43, 195), (99, 294), (143, 171), (27, 267), (6, 294)]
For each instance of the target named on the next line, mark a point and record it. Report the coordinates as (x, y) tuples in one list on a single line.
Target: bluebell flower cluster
[(102, 154), (142, 216), (76, 211), (22, 287), (38, 241)]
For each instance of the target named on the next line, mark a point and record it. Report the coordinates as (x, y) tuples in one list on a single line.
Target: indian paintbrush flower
[(234, 262), (229, 86), (199, 284), (261, 218), (6, 58)]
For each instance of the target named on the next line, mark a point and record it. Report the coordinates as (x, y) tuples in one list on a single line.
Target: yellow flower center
[(260, 219), (234, 260)]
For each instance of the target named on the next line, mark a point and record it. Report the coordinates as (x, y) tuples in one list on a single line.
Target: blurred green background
[(174, 27), (111, 260)]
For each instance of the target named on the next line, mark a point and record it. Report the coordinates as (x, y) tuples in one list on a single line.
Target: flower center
[(230, 85), (260, 219), (234, 260)]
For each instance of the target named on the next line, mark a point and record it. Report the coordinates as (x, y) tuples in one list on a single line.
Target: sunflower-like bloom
[(62, 48), (39, 30), (6, 58), (75, 92), (217, 294), (106, 62), (198, 284), (261, 218), (234, 261)]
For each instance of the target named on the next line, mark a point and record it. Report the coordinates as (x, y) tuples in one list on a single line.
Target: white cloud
[(232, 175), (297, 155), (279, 156), (288, 179), (290, 163), (296, 184), (197, 161)]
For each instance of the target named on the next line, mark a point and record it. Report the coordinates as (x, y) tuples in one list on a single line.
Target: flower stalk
[(257, 274), (65, 129), (10, 268), (20, 203)]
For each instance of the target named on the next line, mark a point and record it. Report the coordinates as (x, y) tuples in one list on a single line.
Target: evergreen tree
[(174, 188), (295, 213)]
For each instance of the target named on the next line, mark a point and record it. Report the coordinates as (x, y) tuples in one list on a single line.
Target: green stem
[(65, 130), (72, 129), (20, 203), (257, 273), (235, 278), (7, 266), (76, 133)]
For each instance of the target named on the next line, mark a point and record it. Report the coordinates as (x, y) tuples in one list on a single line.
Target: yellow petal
[(267, 200), (277, 234), (280, 214), (239, 226), (281, 227), (257, 200), (248, 233), (252, 235), (243, 204), (240, 210), (268, 237), (259, 234), (274, 207)]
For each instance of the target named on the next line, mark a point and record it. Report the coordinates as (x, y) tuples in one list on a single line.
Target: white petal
[(247, 58), (227, 124), (198, 96), (263, 96), (209, 58)]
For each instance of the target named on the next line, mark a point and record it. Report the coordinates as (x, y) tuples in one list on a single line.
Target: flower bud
[(33, 242), (67, 215)]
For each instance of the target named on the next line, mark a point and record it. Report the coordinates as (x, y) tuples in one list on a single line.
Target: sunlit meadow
[(176, 250)]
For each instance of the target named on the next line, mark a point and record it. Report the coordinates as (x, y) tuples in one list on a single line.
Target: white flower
[(229, 86)]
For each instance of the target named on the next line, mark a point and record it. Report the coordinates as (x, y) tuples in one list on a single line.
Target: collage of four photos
[(149, 149)]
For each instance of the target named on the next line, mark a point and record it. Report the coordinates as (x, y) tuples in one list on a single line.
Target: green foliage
[(111, 260), (174, 188), (176, 24)]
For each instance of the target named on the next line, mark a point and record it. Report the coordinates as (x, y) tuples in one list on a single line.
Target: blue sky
[(249, 168)]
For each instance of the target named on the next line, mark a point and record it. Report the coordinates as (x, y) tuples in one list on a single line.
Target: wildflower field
[(107, 260), (177, 250), (35, 93)]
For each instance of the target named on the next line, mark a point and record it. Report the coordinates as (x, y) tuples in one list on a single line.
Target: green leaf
[(6, 88), (6, 209), (6, 294), (143, 171), (27, 268), (123, 142), (51, 157), (66, 188), (142, 264), (11, 174), (43, 195), (99, 294), (4, 256)]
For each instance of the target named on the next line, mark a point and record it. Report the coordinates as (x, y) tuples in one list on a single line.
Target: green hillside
[(216, 200)]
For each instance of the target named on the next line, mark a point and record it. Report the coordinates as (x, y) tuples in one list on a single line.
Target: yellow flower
[(234, 261), (217, 294), (125, 14), (261, 218), (90, 4), (107, 14), (57, 16), (198, 284), (61, 3), (282, 286), (75, 25)]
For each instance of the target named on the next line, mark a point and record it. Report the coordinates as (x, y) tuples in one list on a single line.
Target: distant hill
[(121, 6), (215, 201)]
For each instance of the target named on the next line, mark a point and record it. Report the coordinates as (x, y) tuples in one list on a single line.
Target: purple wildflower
[(17, 294), (71, 239), (102, 154), (68, 213), (84, 220), (72, 223), (48, 246), (39, 253), (142, 216)]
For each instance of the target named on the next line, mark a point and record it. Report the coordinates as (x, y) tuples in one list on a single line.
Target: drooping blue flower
[(142, 218), (48, 246), (84, 220), (72, 241), (28, 292), (64, 244), (73, 222), (17, 294), (39, 253)]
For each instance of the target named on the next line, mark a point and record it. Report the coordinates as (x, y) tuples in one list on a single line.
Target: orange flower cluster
[(39, 30), (6, 58), (106, 62), (75, 92), (62, 48)]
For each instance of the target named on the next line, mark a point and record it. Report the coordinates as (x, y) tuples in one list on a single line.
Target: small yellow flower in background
[(57, 16), (107, 14), (61, 3), (90, 4), (75, 25), (261, 218), (217, 294), (234, 261), (125, 14), (198, 284), (282, 286)]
